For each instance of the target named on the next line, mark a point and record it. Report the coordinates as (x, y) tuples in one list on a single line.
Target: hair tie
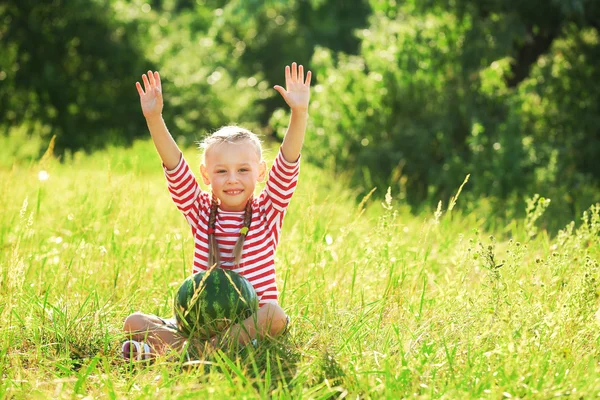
[(244, 231), (211, 230)]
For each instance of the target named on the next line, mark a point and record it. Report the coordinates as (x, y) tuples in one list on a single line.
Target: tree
[(70, 66), (441, 89)]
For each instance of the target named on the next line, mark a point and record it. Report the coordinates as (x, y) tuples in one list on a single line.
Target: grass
[(384, 304)]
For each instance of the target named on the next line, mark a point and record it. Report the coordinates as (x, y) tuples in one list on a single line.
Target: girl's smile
[(233, 192)]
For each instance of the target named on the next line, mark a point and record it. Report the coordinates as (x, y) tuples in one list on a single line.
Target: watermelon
[(209, 301)]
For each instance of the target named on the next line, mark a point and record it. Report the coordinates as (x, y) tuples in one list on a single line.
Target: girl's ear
[(262, 171), (204, 174)]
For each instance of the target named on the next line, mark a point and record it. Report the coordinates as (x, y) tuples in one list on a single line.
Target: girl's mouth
[(233, 192)]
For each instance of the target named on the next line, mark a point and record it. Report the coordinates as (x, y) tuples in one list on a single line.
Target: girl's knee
[(278, 312), (136, 322), (278, 319)]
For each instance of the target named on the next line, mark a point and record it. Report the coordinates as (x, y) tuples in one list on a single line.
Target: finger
[(157, 79), (281, 90), (139, 89), (301, 74), (288, 76), (151, 79), (294, 72), (308, 76), (146, 83)]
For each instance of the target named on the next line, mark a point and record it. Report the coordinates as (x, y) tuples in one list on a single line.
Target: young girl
[(231, 227)]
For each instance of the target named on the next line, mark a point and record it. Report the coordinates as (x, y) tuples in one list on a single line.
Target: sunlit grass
[(383, 303)]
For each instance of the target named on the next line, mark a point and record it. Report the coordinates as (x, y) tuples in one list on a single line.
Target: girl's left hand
[(297, 91)]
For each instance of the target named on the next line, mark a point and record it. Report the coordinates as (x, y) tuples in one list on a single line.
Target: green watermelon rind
[(197, 315)]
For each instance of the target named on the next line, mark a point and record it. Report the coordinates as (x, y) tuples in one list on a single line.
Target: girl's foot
[(136, 351)]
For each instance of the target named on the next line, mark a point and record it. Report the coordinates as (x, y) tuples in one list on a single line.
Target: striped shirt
[(268, 211)]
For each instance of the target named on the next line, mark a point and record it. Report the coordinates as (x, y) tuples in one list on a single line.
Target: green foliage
[(396, 110), (201, 94), (68, 66), (268, 35), (441, 91), (72, 67), (409, 94), (560, 112), (222, 59)]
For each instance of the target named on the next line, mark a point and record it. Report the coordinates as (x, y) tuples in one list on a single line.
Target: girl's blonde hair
[(228, 134), (231, 134)]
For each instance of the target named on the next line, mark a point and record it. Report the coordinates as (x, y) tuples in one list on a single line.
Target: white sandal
[(139, 350)]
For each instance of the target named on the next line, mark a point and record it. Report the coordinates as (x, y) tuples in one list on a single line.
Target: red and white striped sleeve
[(184, 190), (279, 189)]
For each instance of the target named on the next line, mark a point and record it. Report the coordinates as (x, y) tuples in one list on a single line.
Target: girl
[(231, 227)]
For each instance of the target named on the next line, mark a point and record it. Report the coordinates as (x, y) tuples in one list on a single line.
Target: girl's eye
[(244, 170), (221, 171)]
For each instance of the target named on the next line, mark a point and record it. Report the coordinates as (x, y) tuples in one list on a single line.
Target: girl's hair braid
[(239, 245), (213, 247)]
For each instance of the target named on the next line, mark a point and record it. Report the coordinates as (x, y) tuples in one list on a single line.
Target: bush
[(433, 95)]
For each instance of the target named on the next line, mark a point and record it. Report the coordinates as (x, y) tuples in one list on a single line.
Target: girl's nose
[(231, 178)]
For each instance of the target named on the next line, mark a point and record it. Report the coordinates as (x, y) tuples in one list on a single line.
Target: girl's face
[(232, 170)]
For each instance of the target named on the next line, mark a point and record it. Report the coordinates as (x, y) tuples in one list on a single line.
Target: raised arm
[(151, 100), (296, 95)]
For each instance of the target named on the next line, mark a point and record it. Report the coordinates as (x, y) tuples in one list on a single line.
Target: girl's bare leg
[(152, 330), (269, 320)]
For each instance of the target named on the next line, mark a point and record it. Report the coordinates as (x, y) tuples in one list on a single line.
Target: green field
[(383, 303)]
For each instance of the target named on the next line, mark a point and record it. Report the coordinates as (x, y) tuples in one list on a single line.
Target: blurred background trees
[(409, 94), (66, 68)]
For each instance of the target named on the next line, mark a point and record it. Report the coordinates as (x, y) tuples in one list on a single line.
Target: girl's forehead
[(232, 152)]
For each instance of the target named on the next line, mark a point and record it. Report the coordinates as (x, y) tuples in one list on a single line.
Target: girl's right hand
[(151, 96)]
